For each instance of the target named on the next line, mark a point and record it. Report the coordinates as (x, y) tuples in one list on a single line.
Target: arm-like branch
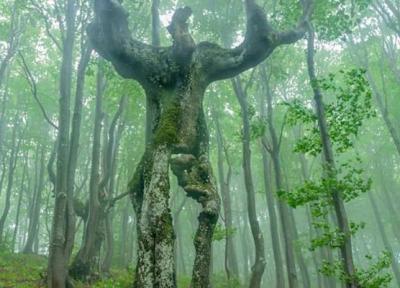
[(259, 42), (111, 38)]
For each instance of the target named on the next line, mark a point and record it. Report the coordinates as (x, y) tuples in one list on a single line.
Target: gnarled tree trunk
[(175, 79)]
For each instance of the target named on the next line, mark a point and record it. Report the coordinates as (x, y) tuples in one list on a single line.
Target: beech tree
[(175, 79)]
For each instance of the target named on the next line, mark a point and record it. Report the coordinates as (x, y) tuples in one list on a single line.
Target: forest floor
[(27, 271)]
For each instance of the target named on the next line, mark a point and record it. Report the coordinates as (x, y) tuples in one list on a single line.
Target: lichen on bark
[(175, 79)]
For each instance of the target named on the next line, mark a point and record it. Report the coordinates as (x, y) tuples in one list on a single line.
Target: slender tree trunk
[(271, 203), (231, 263), (124, 236), (20, 197), (385, 239), (287, 228), (34, 220), (338, 203), (259, 264), (85, 264), (11, 169), (60, 242)]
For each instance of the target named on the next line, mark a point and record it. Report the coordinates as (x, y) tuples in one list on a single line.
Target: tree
[(175, 79)]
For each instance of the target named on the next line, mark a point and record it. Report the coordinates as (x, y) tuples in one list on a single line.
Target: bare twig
[(32, 83)]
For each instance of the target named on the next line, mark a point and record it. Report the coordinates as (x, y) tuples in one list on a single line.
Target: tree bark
[(175, 79)]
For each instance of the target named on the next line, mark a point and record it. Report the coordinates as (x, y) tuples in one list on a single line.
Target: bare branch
[(32, 84)]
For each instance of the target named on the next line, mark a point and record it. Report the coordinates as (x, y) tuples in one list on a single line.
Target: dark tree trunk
[(175, 79), (337, 198)]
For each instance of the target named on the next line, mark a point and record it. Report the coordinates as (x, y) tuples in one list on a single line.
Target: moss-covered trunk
[(179, 138), (175, 79)]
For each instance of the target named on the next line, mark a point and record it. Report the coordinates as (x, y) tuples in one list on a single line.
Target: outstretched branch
[(110, 36), (259, 42)]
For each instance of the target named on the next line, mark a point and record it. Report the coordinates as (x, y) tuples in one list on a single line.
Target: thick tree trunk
[(259, 264), (175, 79)]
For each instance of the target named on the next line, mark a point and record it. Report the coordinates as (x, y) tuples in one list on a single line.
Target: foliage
[(21, 271), (349, 104), (367, 278), (221, 233)]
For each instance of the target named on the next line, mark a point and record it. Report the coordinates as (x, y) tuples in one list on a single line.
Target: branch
[(116, 199), (183, 43), (111, 38), (45, 16), (155, 17), (259, 42), (111, 145), (32, 84)]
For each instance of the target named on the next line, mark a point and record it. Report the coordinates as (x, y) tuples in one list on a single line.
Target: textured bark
[(259, 263), (175, 79), (338, 203)]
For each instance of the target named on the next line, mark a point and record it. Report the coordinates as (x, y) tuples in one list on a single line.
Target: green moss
[(167, 131)]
